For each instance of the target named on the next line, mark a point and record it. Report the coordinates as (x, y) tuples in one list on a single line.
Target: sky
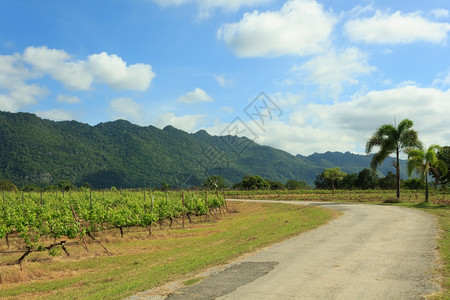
[(303, 76)]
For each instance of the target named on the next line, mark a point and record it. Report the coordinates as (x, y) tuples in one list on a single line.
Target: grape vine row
[(77, 215)]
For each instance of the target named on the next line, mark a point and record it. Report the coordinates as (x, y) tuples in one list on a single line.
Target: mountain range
[(121, 154)]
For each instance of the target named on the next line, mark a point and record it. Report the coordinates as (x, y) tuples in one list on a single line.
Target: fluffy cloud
[(189, 123), (346, 126), (300, 27), (21, 95), (15, 92), (80, 74), (12, 71), (396, 28), (18, 69), (332, 70), (126, 108), (113, 71), (55, 115), (197, 95)]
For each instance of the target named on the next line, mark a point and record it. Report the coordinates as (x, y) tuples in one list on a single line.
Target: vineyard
[(32, 218)]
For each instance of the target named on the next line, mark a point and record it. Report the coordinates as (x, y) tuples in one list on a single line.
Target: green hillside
[(121, 154)]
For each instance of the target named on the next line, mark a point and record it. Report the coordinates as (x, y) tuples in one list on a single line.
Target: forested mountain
[(120, 154)]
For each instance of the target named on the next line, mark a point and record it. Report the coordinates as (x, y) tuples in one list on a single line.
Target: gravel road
[(370, 252)]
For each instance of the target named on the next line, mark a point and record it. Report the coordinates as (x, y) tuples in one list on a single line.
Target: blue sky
[(304, 76)]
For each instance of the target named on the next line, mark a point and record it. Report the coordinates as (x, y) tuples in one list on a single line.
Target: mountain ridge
[(122, 154)]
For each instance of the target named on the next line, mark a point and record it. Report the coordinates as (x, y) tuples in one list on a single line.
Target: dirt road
[(371, 252)]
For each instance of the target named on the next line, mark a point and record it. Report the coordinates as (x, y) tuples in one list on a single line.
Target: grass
[(139, 263)]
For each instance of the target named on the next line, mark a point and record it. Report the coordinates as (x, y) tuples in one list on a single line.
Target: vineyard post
[(42, 201), (22, 198), (151, 213), (206, 203), (90, 199), (182, 200), (3, 197), (225, 200), (166, 197), (63, 193)]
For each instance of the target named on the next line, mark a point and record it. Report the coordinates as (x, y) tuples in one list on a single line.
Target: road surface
[(370, 252)]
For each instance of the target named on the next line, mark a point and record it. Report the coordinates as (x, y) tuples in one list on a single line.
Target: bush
[(7, 185)]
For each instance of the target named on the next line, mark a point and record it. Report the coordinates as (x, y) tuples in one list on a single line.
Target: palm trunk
[(397, 175), (426, 187)]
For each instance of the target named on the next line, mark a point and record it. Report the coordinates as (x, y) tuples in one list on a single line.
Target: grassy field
[(138, 263)]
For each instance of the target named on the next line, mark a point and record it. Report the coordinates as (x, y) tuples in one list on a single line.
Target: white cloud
[(443, 79), (80, 74), (21, 96), (346, 126), (206, 7), (126, 108), (55, 115), (197, 95), (189, 123), (16, 93), (300, 27), (12, 71), (223, 82), (227, 109), (113, 71), (332, 70), (396, 28), (68, 99), (440, 13)]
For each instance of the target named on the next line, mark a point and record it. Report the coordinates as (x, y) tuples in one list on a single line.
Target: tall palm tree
[(392, 140), (425, 162)]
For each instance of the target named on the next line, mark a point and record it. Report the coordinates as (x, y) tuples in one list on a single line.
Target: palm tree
[(392, 140), (425, 162)]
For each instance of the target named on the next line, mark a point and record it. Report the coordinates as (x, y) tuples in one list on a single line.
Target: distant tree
[(367, 179), (334, 174), (425, 162), (292, 184), (164, 187), (65, 185), (322, 183), (276, 185), (348, 182), (7, 185), (52, 188), (254, 182), (413, 184), (214, 182), (391, 140), (31, 188), (86, 185), (388, 182)]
